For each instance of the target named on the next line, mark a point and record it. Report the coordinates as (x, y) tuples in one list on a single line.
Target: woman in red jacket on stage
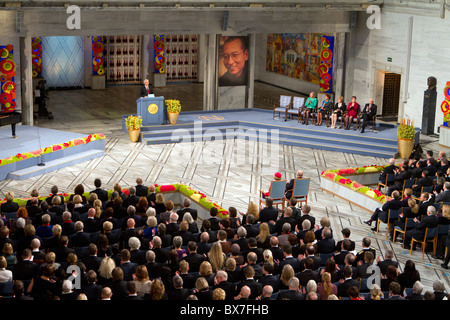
[(352, 112)]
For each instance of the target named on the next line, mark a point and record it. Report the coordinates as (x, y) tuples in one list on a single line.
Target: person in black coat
[(193, 258), (187, 208), (418, 233), (101, 193), (9, 205), (394, 204), (255, 287), (92, 261), (308, 273), (126, 265), (178, 292), (401, 174), (327, 244), (347, 283), (132, 199), (293, 293), (92, 290), (424, 181), (390, 169), (268, 278), (444, 196), (221, 281), (368, 113), (146, 89), (80, 238), (269, 212), (141, 190), (118, 285), (287, 218), (25, 269)]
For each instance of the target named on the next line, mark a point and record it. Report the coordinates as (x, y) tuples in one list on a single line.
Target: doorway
[(391, 94)]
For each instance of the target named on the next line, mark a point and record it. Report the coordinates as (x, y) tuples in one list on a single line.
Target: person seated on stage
[(401, 174), (310, 105), (407, 193), (394, 204), (442, 166), (368, 113), (327, 105), (352, 112), (444, 195), (146, 89), (424, 181), (276, 177), (431, 166), (290, 184), (339, 108), (418, 232)]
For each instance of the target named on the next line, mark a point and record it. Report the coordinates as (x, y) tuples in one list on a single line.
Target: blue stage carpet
[(382, 142)]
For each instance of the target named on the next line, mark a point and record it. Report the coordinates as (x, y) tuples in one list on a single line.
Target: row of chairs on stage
[(292, 107), (277, 191), (431, 234)]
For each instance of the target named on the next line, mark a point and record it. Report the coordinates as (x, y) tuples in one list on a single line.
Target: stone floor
[(229, 172)]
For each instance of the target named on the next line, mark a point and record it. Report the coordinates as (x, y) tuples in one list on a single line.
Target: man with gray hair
[(173, 226), (267, 292), (287, 218), (293, 293), (418, 232), (417, 292), (244, 294), (390, 169), (221, 281), (132, 199), (67, 293), (80, 238), (388, 256), (141, 190), (153, 267), (178, 292), (68, 227), (444, 196), (439, 290), (155, 245)]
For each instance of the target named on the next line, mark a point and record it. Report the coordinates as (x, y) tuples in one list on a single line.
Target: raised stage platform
[(55, 148), (254, 123)]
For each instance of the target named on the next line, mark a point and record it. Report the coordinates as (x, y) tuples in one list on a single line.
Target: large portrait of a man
[(233, 60)]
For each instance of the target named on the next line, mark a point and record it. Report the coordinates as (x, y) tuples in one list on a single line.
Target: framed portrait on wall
[(233, 60)]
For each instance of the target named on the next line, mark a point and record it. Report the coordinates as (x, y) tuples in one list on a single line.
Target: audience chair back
[(391, 215), (300, 190), (390, 178), (277, 189), (430, 236), (409, 223)]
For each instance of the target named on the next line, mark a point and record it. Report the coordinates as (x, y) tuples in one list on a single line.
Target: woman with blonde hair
[(160, 207), (252, 209), (216, 256), (268, 256), (286, 274), (326, 287), (8, 253), (206, 271), (142, 281), (263, 238), (157, 291), (98, 206), (409, 212), (375, 292), (202, 290), (9, 205), (104, 274), (338, 111)]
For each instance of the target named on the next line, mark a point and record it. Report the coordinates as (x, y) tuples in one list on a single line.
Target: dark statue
[(429, 107)]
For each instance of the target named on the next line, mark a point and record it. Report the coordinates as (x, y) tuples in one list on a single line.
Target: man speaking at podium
[(146, 89)]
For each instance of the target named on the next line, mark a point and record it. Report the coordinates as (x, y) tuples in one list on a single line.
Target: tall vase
[(405, 147), (134, 134), (173, 117)]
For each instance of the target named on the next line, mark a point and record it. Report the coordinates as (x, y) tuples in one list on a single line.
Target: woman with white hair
[(193, 227), (152, 229), (104, 275)]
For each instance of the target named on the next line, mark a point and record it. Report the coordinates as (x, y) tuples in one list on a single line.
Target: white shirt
[(5, 275)]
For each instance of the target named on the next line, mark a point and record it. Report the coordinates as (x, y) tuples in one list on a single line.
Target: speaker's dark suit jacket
[(143, 91)]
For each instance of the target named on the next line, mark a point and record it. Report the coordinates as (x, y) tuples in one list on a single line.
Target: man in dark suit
[(177, 292), (221, 281), (92, 261), (129, 232), (153, 267), (193, 258), (308, 273), (268, 278), (418, 232), (173, 226), (287, 218), (132, 199), (161, 256), (251, 226), (146, 89), (306, 210), (126, 265), (54, 190), (388, 170), (290, 184), (204, 245), (255, 287), (347, 283), (67, 227), (62, 250), (368, 113), (25, 269), (101, 193), (92, 290), (389, 254), (425, 200), (34, 210), (132, 292), (91, 224), (289, 259), (253, 247), (80, 238), (277, 252), (401, 174), (141, 190), (346, 235), (327, 244), (269, 212), (395, 291), (394, 204), (136, 255), (444, 195), (9, 205), (186, 208), (293, 293), (345, 249), (424, 181), (431, 166), (366, 242), (151, 198), (213, 219)]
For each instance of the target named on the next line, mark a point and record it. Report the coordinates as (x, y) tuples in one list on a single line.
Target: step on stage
[(258, 124), (31, 139)]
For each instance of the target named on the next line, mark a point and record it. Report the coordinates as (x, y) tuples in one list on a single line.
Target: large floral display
[(7, 74), (52, 148)]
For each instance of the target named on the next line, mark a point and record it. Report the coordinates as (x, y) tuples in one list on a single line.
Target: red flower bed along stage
[(338, 175), (53, 148)]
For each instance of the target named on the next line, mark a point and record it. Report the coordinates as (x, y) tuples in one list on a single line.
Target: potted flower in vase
[(134, 124), (173, 110), (405, 134)]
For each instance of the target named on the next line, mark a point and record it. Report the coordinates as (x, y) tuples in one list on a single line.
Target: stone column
[(251, 71), (210, 83), (26, 80)]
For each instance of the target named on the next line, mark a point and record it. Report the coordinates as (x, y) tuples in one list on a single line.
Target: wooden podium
[(151, 110)]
